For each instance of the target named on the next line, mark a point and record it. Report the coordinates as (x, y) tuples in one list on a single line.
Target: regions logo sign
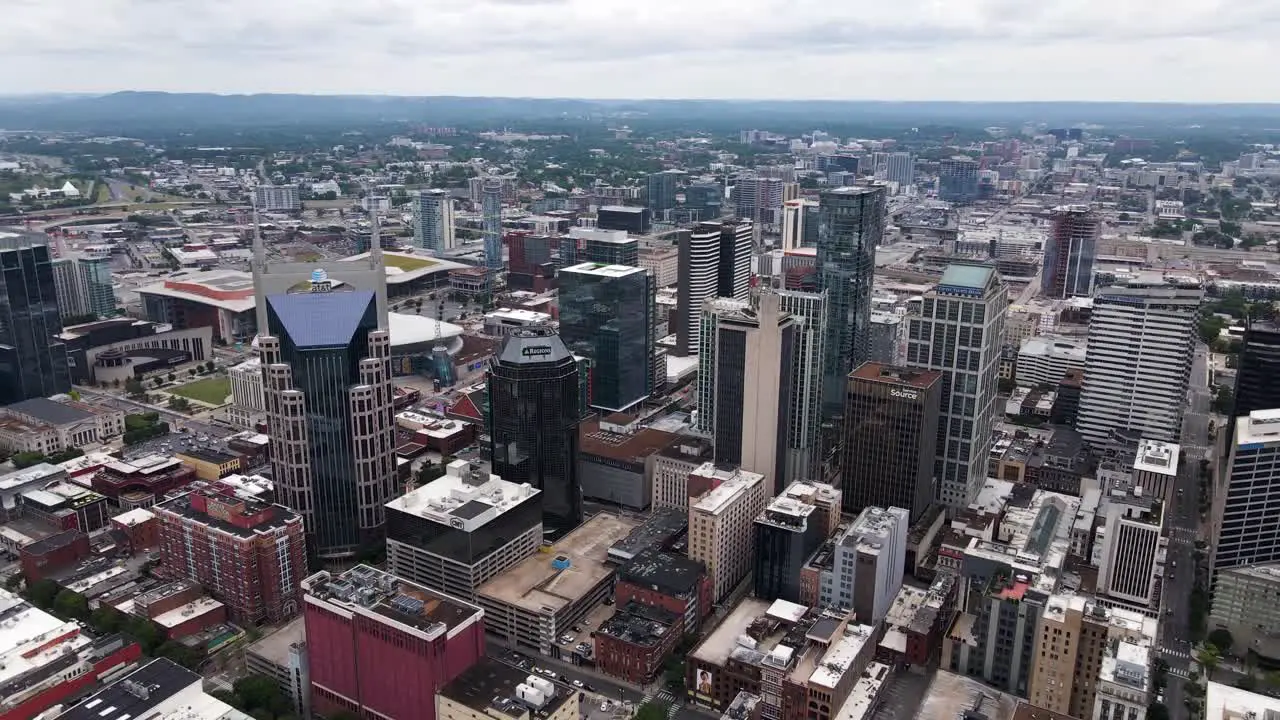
[(536, 351)]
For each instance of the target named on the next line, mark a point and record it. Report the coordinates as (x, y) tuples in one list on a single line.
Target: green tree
[(70, 604), (652, 711), (260, 692), (185, 655), (145, 632), (178, 403), (1223, 402), (42, 593), (133, 386), (1209, 657), (27, 459), (1221, 639), (171, 377), (105, 620)]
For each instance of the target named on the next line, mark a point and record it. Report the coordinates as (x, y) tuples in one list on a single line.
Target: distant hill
[(118, 112)]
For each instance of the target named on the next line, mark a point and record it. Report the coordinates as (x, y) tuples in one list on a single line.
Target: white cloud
[(1215, 50)]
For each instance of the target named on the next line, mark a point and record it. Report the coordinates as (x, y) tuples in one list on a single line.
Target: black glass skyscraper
[(606, 315), (851, 223), (533, 419), (1258, 377), (32, 363)]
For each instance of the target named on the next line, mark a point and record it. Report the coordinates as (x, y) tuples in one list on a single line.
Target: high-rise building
[(851, 226), (721, 525), (706, 200), (1259, 366), (277, 198), (958, 180), (69, 288), (95, 274), (799, 224), (744, 384), (661, 195), (491, 209), (606, 314), (459, 530), (608, 247), (786, 534), (1243, 520), (958, 334), (533, 420), (867, 564), (890, 438), (326, 364), (381, 646), (1070, 250), (32, 363), (433, 221), (760, 199), (1129, 555), (804, 414), (1046, 359), (248, 554), (1138, 361), (901, 169), (715, 261)]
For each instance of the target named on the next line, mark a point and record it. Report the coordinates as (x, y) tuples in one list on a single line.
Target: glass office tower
[(32, 364), (606, 315), (533, 419)]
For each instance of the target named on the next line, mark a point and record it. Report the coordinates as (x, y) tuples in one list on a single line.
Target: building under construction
[(1070, 251)]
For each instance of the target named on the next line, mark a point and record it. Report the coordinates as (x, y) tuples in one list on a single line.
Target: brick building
[(249, 554), (141, 482), (633, 643), (380, 646), (669, 581), (181, 608), (44, 557), (140, 526)]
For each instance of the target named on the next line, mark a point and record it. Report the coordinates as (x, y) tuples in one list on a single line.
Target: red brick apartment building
[(380, 646), (246, 553), (45, 557), (668, 581)]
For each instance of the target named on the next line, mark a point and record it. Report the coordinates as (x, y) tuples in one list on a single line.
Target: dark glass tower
[(32, 364), (533, 419), (1258, 377), (605, 315), (851, 223), (327, 387)]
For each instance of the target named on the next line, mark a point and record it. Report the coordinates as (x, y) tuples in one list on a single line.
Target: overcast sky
[(1151, 50)]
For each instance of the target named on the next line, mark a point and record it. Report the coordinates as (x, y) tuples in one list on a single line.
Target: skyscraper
[(1070, 250), (804, 414), (1256, 375), (744, 384), (69, 288), (901, 169), (1243, 522), (433, 221), (661, 195), (706, 199), (491, 206), (786, 534), (326, 364), (32, 363), (1138, 361), (958, 334), (95, 274), (715, 261), (606, 315), (851, 223), (890, 437), (958, 180), (760, 199), (533, 420), (799, 224)]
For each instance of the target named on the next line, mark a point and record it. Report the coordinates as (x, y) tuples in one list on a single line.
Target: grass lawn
[(211, 390), (406, 262)]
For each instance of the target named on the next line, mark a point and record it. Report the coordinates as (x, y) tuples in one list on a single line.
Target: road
[(1182, 522), (175, 419)]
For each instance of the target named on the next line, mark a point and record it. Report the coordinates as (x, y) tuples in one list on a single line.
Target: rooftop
[(48, 411), (230, 290), (159, 690), (1157, 457), (717, 646), (489, 688), (27, 634), (966, 277), (385, 597), (629, 447), (734, 482), (275, 647), (40, 472), (950, 695), (670, 573), (639, 624), (839, 659), (532, 345), (404, 267), (464, 497), (228, 513), (895, 375), (315, 320), (786, 513), (1226, 702), (603, 270), (548, 582), (659, 530)]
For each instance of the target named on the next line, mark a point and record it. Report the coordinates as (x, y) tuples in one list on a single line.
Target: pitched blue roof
[(321, 319)]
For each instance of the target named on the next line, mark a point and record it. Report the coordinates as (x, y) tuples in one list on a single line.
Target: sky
[(1122, 50)]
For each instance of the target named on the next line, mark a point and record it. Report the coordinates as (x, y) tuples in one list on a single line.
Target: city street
[(1182, 523), (176, 420)]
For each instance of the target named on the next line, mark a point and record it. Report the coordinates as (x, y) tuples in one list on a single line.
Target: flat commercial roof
[(404, 267), (603, 270), (535, 585), (716, 648), (53, 413)]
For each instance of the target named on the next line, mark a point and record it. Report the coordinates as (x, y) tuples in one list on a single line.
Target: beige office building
[(721, 534)]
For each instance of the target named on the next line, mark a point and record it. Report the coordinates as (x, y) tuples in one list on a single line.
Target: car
[(564, 678), (577, 683), (549, 673), (1175, 563), (577, 628), (588, 688), (604, 706)]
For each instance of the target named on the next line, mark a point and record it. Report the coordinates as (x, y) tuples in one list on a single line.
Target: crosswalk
[(1176, 653), (665, 697)]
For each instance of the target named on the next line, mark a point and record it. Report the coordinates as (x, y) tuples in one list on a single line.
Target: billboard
[(702, 686)]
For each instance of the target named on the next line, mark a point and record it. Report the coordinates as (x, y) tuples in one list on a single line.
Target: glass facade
[(851, 223), (32, 364), (1256, 386), (534, 396), (730, 368), (605, 315), (323, 338), (97, 284)]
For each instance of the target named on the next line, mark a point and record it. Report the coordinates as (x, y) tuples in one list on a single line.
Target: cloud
[(907, 49)]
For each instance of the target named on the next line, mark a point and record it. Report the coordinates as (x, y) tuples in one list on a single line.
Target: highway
[(1182, 522)]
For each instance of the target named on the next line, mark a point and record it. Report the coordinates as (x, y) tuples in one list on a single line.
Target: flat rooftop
[(536, 585), (375, 593), (1157, 457), (465, 497), (274, 648), (950, 694), (405, 267), (734, 482), (489, 688), (897, 375), (717, 646), (1226, 702), (603, 270)]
